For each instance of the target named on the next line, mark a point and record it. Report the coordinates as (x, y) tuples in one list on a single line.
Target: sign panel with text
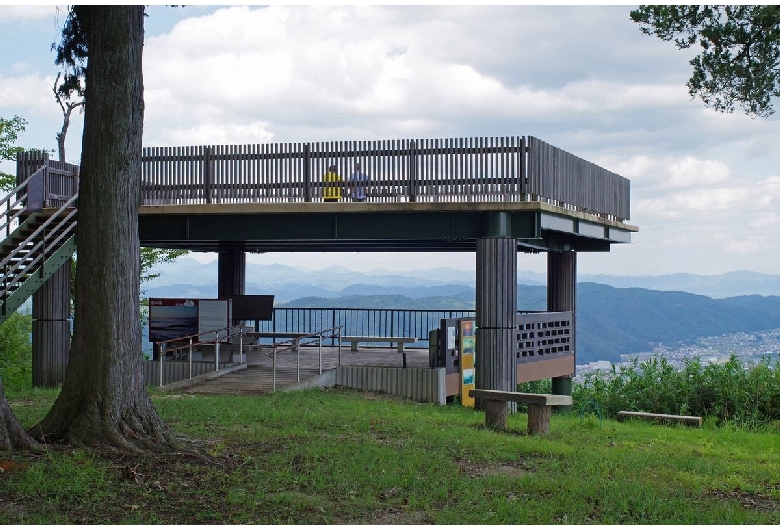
[(176, 318)]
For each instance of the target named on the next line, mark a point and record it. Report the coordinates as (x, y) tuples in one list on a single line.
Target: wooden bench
[(691, 421), (400, 341), (539, 408)]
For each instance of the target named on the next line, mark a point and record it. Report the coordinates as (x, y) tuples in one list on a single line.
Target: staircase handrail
[(290, 344), (11, 212), (176, 344), (14, 274)]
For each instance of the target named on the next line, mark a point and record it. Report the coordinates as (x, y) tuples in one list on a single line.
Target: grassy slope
[(335, 456)]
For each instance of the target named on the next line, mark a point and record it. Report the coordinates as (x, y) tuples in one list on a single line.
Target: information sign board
[(177, 318)]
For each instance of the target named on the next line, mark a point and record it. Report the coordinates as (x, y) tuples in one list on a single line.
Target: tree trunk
[(103, 401), (12, 435)]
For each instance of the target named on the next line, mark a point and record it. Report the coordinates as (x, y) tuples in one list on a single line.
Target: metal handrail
[(164, 350), (11, 211), (297, 343), (40, 248), (187, 343)]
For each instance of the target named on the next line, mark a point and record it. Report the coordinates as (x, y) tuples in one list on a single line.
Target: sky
[(705, 186)]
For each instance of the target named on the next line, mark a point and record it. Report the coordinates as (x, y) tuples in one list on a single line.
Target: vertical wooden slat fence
[(494, 169)]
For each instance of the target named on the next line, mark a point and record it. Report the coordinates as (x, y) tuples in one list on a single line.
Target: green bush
[(732, 393), (16, 352)]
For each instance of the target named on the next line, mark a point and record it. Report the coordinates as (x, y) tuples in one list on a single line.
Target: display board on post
[(174, 318)]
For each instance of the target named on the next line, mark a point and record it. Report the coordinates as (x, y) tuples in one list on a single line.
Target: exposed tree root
[(12, 436)]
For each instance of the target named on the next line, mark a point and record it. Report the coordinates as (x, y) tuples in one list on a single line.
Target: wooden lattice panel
[(543, 335)]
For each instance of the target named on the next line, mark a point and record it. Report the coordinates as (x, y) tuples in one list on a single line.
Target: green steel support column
[(231, 273), (562, 296), (496, 304)]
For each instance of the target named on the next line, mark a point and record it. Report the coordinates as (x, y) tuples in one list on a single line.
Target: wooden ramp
[(258, 376)]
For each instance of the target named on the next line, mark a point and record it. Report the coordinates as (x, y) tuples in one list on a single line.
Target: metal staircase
[(38, 240)]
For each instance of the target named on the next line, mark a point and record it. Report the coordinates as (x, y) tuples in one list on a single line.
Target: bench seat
[(354, 340), (539, 408), (400, 341)]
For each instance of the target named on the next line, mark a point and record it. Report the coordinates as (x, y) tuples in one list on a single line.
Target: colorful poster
[(467, 361), (172, 318)]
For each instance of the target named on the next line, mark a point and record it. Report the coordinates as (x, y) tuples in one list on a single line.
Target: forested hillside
[(610, 321)]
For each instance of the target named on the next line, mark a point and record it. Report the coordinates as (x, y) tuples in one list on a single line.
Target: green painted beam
[(38, 278)]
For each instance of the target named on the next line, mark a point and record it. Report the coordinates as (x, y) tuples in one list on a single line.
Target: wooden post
[(412, 171), (691, 421), (207, 174), (307, 173), (539, 419), (50, 303), (495, 414), (496, 305)]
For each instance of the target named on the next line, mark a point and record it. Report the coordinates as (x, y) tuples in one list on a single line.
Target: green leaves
[(9, 134), (739, 62), (744, 395), (16, 352)]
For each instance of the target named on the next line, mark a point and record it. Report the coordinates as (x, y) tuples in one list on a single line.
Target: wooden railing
[(428, 170), (51, 184)]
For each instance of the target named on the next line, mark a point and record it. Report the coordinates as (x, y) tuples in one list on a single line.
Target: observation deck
[(422, 195)]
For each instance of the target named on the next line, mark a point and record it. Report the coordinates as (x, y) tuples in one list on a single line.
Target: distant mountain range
[(289, 283), (611, 320)]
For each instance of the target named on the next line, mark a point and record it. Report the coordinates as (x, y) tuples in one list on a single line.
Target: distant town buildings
[(749, 347)]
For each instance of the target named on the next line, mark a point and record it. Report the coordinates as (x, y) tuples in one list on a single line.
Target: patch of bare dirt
[(394, 516), (507, 469), (762, 502)]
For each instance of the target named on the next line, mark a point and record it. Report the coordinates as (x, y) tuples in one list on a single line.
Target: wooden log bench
[(400, 341), (539, 408), (691, 421)]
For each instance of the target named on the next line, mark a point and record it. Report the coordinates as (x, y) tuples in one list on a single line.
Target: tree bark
[(103, 401), (12, 435)]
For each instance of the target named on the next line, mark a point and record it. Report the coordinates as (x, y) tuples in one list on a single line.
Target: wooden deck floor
[(258, 376)]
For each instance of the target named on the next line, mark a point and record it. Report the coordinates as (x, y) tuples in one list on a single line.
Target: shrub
[(16, 352), (733, 393)]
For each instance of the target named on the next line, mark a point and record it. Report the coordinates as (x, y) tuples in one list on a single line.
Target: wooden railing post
[(412, 171), (307, 172), (46, 178), (207, 174), (522, 169)]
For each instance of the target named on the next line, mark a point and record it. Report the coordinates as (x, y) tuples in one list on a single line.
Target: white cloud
[(705, 186), (30, 12), (765, 220), (26, 94), (751, 245), (329, 65), (216, 134), (667, 173)]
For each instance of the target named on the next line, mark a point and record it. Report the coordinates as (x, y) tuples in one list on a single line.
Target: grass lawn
[(347, 457)]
